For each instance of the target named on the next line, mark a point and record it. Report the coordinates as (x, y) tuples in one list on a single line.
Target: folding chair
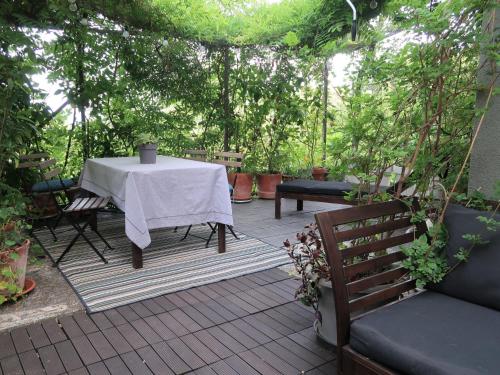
[(198, 155), (79, 208)]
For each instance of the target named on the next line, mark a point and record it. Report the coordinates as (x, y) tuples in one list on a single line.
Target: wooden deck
[(243, 326)]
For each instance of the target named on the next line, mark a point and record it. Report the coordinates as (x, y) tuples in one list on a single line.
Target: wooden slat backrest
[(358, 271), (38, 156), (229, 159), (31, 160), (198, 155), (51, 174), (28, 164), (47, 163)]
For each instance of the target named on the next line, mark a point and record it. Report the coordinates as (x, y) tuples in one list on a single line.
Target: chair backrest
[(365, 275), (31, 160), (229, 159), (198, 155)]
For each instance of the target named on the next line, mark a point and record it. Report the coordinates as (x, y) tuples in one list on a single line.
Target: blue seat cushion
[(478, 279), (431, 334), (337, 188), (52, 185)]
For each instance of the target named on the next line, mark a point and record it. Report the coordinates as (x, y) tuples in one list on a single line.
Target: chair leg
[(94, 248), (51, 230), (187, 233), (103, 239), (70, 245), (214, 229), (230, 227)]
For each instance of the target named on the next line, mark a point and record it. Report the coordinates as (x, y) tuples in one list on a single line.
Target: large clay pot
[(319, 173), (242, 184), (45, 204), (327, 328), (266, 183), (147, 153), (18, 266)]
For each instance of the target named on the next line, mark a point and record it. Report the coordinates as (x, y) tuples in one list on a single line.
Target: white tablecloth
[(172, 192)]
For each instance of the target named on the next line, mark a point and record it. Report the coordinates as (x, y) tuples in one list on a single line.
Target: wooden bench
[(385, 326), (311, 190)]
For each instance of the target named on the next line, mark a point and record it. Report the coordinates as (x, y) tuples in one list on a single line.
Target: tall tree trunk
[(81, 105), (225, 97), (325, 107)]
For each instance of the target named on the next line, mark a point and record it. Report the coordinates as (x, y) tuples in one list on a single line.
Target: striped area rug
[(169, 264)]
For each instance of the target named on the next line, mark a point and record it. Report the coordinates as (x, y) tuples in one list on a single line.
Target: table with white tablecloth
[(173, 192)]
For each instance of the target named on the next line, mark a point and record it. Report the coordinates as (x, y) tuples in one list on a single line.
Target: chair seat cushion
[(336, 188), (431, 333), (478, 279), (52, 185)]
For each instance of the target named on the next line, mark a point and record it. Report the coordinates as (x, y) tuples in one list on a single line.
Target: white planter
[(327, 329)]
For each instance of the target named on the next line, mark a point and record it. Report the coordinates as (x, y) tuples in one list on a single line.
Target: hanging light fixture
[(165, 42), (373, 4), (354, 25)]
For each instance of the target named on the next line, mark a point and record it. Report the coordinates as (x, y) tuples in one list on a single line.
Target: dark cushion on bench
[(478, 279), (52, 185), (431, 334), (336, 188)]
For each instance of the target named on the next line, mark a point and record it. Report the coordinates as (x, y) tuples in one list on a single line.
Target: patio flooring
[(246, 325)]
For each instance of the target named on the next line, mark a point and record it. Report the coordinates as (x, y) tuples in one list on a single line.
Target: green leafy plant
[(146, 138)]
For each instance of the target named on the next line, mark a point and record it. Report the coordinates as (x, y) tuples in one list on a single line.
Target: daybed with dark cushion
[(311, 190), (453, 328)]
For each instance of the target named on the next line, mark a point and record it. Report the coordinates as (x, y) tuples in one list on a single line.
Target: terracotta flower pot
[(45, 203), (319, 173), (266, 183), (18, 266), (242, 184)]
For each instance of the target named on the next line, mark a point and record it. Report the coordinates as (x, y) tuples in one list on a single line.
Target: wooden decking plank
[(186, 354), (256, 304), (293, 325), (146, 331), (237, 284), (260, 296), (80, 371), (240, 366), (286, 293), (185, 320), (11, 365), (196, 293), (31, 363), (298, 308), (190, 299), (117, 341), (204, 352), (218, 289), (272, 294), (7, 347), (213, 316), (222, 368), (198, 317), (68, 355), (274, 324), (301, 352), (258, 363), (116, 366), (215, 345), (253, 277), (241, 304), (154, 307), (127, 312), (206, 290), (132, 336), (101, 321), (154, 362), (288, 356), (164, 303), (85, 323), (329, 368), (21, 340), (140, 309), (273, 360), (250, 284), (53, 331), (294, 317), (251, 331), (101, 345), (228, 310), (262, 327), (135, 364), (207, 370), (37, 335), (159, 328), (85, 349), (172, 324), (98, 368), (226, 284), (115, 317), (226, 340), (70, 327), (166, 353), (313, 345), (50, 360), (239, 335), (176, 300)]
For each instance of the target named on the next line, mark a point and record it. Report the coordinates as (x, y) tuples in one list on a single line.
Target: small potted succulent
[(309, 259), (147, 144)]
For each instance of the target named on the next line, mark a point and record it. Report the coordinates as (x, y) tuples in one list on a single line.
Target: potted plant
[(147, 144), (309, 259), (14, 247), (319, 173), (242, 184)]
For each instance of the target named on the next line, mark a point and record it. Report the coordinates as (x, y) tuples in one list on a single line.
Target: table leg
[(136, 256), (221, 234)]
